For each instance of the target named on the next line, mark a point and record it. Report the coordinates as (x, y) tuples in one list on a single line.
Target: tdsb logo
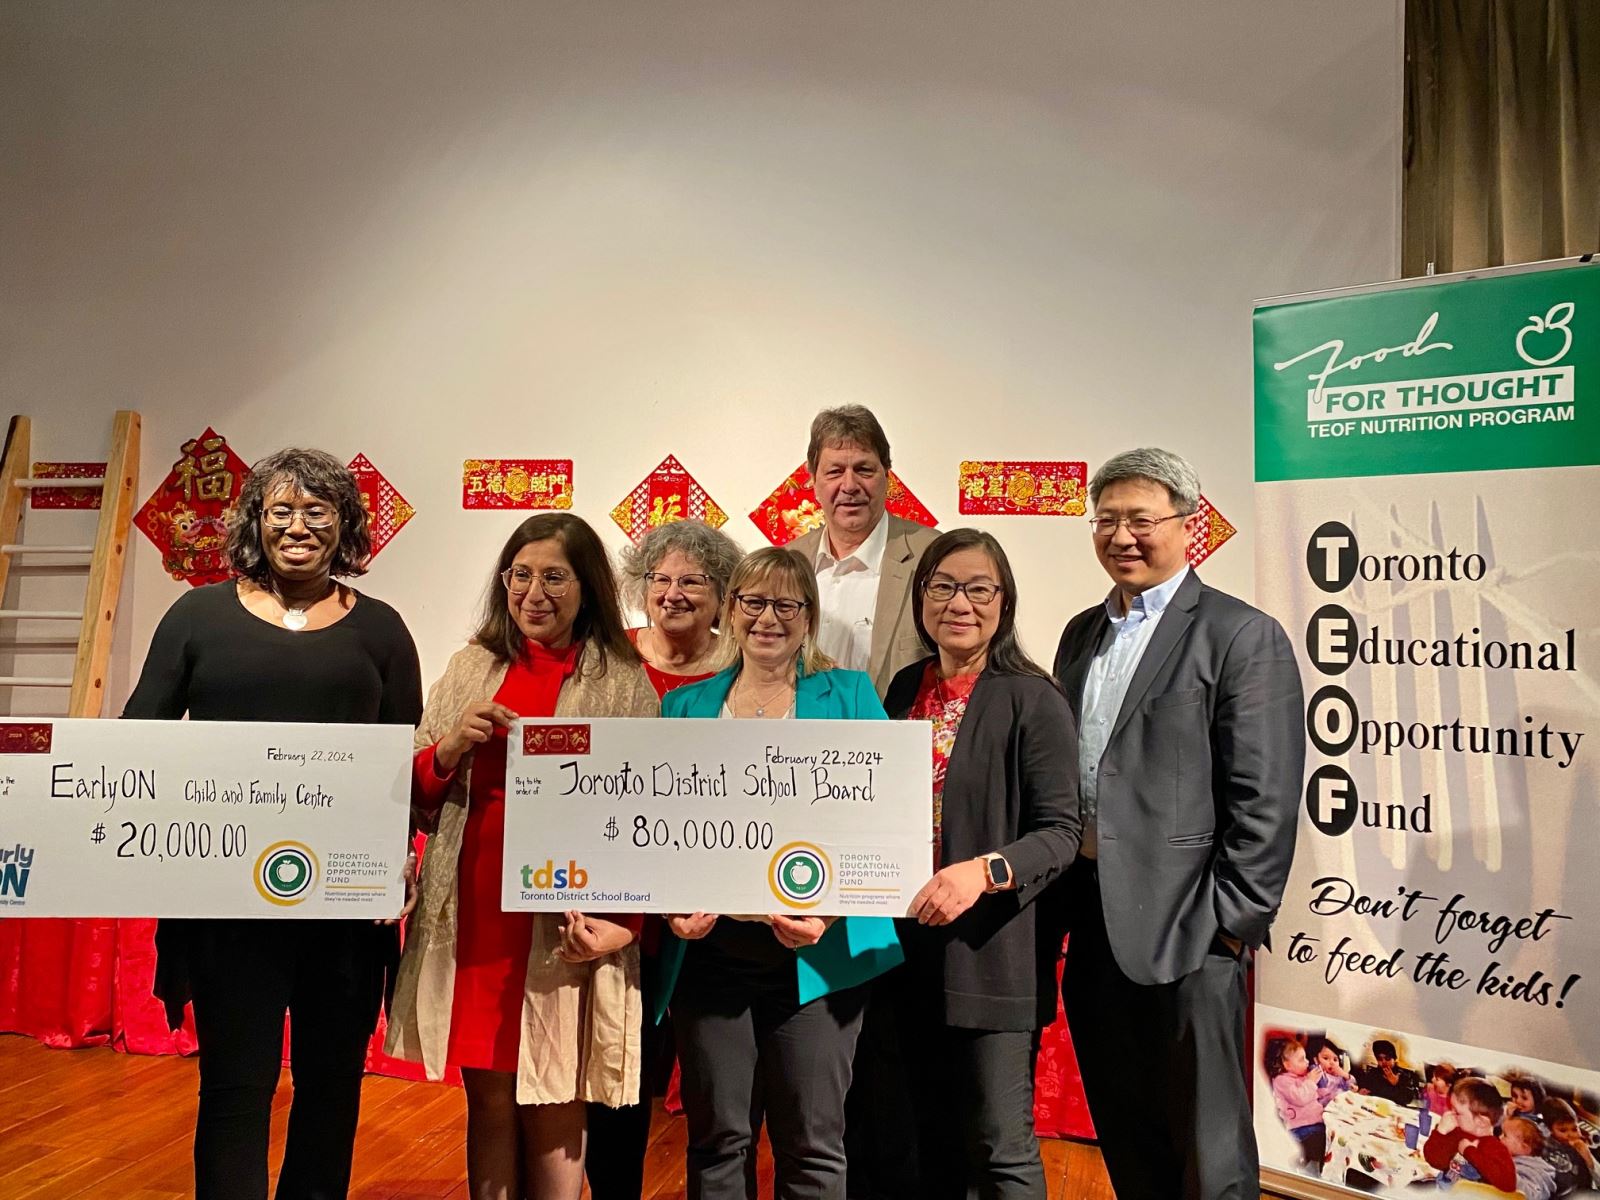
[(555, 739), (286, 873), (799, 875)]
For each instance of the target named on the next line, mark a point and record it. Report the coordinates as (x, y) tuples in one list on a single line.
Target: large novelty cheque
[(819, 818), (202, 819)]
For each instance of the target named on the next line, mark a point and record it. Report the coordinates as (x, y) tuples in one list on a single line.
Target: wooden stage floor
[(92, 1123)]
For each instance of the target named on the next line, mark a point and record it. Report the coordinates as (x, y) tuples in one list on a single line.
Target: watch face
[(999, 872)]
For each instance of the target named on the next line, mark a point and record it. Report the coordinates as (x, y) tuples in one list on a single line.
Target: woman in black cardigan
[(982, 942)]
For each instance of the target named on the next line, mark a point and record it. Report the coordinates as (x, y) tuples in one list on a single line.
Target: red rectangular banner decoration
[(555, 739), (25, 738), (516, 483), (67, 497), (792, 509), (1015, 489), (186, 517)]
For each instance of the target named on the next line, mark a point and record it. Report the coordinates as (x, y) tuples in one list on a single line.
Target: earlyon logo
[(570, 878), (799, 874), (286, 873), (555, 739)]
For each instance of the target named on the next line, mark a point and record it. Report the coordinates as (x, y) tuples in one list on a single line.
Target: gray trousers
[(741, 1033), (1163, 1065)]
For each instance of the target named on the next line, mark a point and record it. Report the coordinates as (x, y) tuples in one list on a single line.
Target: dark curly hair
[(599, 620), (315, 473)]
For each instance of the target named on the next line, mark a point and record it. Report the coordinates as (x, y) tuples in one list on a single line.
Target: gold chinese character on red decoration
[(664, 511), (204, 475)]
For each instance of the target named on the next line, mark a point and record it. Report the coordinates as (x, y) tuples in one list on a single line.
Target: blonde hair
[(761, 568), (1532, 1136)]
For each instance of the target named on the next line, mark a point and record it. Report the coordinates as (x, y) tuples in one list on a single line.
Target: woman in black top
[(979, 981), (285, 642)]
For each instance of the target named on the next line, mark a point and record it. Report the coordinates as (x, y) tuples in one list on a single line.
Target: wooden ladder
[(105, 557)]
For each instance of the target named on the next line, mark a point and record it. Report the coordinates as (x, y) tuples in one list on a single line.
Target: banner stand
[(1428, 510)]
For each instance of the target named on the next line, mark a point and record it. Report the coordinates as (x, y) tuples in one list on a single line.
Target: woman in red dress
[(540, 1011)]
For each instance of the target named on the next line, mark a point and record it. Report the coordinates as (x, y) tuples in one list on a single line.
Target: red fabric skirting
[(73, 983)]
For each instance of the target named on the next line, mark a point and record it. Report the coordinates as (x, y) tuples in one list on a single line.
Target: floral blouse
[(944, 702)]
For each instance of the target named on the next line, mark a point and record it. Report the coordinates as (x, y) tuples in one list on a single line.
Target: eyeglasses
[(694, 584), (281, 516), (519, 580), (784, 609), (976, 591), (1140, 527)]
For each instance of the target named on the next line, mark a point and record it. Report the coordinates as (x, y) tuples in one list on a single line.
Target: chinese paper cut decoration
[(1045, 489), (516, 483), (792, 509), (186, 517), (387, 509), (667, 494), (67, 496), (1210, 535)]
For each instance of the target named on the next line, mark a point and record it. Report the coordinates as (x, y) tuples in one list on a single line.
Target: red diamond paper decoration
[(387, 509), (792, 509), (67, 497), (1210, 534), (667, 494), (187, 515)]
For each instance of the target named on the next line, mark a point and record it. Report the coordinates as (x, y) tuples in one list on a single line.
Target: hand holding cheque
[(203, 819), (807, 819), (803, 823)]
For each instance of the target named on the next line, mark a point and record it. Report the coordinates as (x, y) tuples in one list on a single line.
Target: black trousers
[(619, 1137), (880, 1139), (1163, 1065), (741, 1032), (244, 975)]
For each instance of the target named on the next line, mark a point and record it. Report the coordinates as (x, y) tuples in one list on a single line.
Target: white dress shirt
[(848, 588), (1105, 687)]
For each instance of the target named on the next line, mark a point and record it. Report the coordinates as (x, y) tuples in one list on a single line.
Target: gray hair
[(716, 553), (1171, 471)]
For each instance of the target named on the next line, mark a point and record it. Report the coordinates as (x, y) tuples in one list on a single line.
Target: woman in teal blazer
[(772, 1004)]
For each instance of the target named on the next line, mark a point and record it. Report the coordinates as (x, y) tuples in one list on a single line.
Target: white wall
[(609, 231)]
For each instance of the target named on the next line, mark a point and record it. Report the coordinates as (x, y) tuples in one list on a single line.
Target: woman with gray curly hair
[(284, 642), (678, 575)]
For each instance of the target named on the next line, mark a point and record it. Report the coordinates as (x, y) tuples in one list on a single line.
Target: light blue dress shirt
[(1106, 685)]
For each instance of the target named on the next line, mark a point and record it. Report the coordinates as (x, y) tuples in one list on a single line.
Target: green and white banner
[(1428, 506)]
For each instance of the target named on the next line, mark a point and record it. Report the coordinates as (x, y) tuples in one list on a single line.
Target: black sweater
[(214, 660), (1011, 787)]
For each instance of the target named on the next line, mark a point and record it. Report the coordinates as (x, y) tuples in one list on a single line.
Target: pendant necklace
[(296, 619), (761, 705)]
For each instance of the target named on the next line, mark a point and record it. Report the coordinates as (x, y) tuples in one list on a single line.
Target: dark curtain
[(1502, 132)]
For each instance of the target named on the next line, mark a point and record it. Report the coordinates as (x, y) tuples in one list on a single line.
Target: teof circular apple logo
[(1558, 319)]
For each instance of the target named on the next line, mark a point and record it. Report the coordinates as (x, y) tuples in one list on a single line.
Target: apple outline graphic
[(1558, 317)]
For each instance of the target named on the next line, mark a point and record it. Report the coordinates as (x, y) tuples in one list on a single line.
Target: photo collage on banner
[(1427, 468)]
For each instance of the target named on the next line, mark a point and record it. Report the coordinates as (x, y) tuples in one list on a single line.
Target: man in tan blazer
[(864, 557)]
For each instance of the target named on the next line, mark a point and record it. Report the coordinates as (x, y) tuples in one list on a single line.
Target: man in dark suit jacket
[(1192, 746), (863, 556)]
